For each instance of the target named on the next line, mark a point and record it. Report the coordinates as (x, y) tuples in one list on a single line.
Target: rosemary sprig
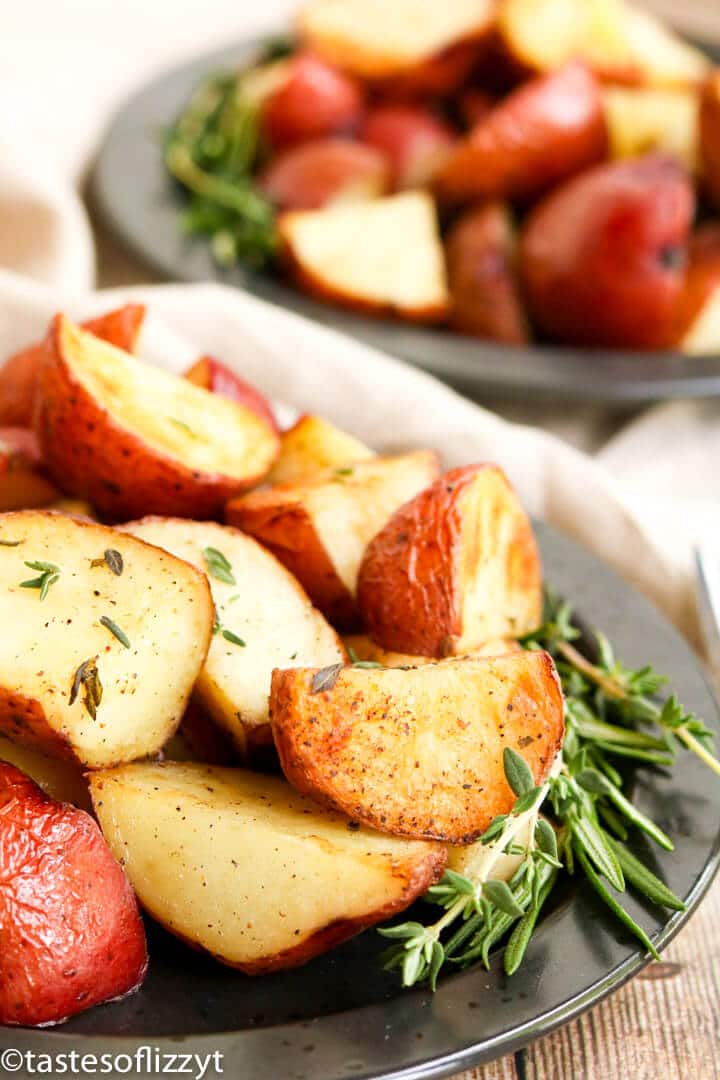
[(612, 714), (48, 575), (211, 150)]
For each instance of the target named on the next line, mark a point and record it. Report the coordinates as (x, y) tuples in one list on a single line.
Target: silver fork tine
[(707, 569)]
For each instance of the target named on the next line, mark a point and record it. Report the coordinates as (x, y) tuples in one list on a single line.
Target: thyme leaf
[(49, 574), (326, 678), (116, 631), (87, 677), (219, 566)]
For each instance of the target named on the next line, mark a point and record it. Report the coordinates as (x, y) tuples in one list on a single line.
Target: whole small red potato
[(481, 256), (213, 375), (603, 257), (414, 140), (541, 133), (325, 171), (70, 932), (314, 99), (18, 375)]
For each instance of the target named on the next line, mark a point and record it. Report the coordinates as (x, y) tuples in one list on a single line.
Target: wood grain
[(664, 1025)]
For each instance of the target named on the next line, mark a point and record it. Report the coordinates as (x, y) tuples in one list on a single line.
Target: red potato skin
[(313, 174), (112, 467), (710, 137), (602, 258), (481, 256), (316, 746), (286, 530), (23, 720), (406, 587), (316, 99), (702, 278), (436, 77), (412, 138), (18, 376), (213, 375), (548, 129), (22, 482), (70, 930)]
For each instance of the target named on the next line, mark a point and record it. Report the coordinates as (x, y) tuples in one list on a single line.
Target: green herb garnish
[(356, 662), (611, 713), (115, 631), (229, 635), (218, 566), (112, 559), (183, 426), (49, 574), (88, 678), (212, 151)]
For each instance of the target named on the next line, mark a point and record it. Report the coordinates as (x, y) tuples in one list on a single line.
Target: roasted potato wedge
[(18, 375), (257, 875), (451, 569), (380, 41), (383, 256), (313, 445), (211, 374), (325, 172), (698, 330), (71, 935), (134, 439), (546, 130), (710, 137), (362, 648), (320, 528), (621, 42), (481, 253), (418, 752), (61, 780), (99, 665), (23, 483), (264, 621), (643, 120)]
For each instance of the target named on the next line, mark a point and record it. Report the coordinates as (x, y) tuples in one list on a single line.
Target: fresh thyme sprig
[(612, 715), (49, 573), (228, 635)]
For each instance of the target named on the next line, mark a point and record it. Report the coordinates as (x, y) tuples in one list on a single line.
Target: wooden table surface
[(665, 1024)]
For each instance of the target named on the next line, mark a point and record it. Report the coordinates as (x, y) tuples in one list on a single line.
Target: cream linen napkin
[(65, 67)]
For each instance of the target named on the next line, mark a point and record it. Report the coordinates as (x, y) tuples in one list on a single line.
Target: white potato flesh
[(265, 608), (348, 510), (61, 780), (312, 445), (385, 252), (373, 38), (162, 605), (202, 430), (244, 867)]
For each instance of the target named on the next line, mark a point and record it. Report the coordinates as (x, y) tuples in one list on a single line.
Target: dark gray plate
[(341, 1017), (139, 201)]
